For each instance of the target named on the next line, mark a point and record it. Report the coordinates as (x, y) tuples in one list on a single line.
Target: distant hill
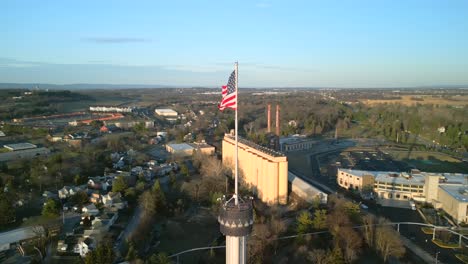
[(79, 86), (85, 86)]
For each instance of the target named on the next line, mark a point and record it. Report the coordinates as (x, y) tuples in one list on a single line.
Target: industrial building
[(305, 190), (19, 236), (262, 169), (111, 109), (167, 113), (182, 149), (187, 149), (295, 143), (446, 191)]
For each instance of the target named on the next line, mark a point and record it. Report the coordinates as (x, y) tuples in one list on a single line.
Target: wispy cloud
[(13, 63), (107, 40)]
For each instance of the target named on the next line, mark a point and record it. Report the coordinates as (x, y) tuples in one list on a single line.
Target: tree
[(103, 254), (148, 203), (172, 180), (320, 219), (130, 195), (131, 253), (160, 258), (7, 212), (96, 124), (140, 186), (160, 197), (51, 208), (119, 184), (336, 256), (79, 198), (388, 243), (304, 222), (184, 170), (319, 256), (350, 242)]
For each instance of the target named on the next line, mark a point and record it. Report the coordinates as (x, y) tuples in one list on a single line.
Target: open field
[(457, 100)]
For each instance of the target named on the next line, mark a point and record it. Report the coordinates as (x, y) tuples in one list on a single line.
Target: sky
[(280, 43)]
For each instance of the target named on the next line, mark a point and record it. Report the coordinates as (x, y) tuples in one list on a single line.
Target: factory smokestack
[(269, 118), (278, 120)]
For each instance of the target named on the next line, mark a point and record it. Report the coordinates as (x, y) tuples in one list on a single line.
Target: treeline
[(310, 114), (337, 240), (405, 122)]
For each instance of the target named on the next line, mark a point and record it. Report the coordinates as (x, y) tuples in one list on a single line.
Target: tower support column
[(236, 222)]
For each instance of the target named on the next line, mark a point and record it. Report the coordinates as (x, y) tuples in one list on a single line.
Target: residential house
[(85, 244), (109, 198), (99, 183), (67, 191), (55, 137), (114, 201), (95, 197), (90, 209)]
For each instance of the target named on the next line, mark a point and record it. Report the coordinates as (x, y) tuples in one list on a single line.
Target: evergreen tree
[(7, 212), (51, 208)]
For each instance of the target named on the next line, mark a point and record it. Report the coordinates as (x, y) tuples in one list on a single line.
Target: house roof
[(20, 146), (90, 207)]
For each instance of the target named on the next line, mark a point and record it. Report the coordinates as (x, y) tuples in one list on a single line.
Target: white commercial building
[(166, 112), (447, 191)]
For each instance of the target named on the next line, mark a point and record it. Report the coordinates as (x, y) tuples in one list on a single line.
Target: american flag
[(229, 94)]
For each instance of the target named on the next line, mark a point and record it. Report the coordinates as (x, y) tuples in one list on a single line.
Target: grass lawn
[(199, 230), (442, 244), (427, 230), (462, 257)]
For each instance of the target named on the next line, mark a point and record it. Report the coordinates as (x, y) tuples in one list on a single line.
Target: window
[(390, 196), (405, 197), (398, 196)]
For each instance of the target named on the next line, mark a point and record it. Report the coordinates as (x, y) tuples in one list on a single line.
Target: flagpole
[(237, 157), (236, 199)]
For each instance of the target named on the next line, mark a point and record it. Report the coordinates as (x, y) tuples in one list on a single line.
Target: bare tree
[(388, 243)]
